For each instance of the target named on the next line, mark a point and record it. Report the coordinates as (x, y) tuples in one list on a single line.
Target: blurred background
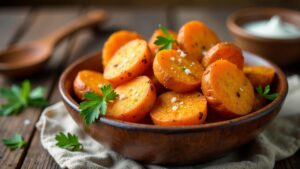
[(210, 11), (228, 3)]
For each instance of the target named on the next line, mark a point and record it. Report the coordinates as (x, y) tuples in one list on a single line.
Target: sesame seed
[(182, 54), (179, 60), (193, 63), (122, 97), (241, 89), (173, 99), (172, 58), (181, 103), (174, 108), (187, 71)]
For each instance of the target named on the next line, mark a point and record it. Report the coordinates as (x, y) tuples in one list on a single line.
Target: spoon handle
[(90, 19)]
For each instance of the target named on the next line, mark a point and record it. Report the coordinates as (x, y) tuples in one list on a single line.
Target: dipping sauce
[(273, 28)]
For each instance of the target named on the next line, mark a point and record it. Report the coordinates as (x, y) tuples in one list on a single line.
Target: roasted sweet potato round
[(259, 75), (176, 72), (178, 109), (88, 81), (195, 37), (136, 98), (158, 86), (224, 50), (115, 42), (259, 102), (130, 61), (227, 90)]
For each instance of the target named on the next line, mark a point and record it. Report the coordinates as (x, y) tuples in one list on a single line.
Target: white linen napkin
[(280, 140)]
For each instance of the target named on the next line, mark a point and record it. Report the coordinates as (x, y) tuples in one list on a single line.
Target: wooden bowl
[(172, 145), (280, 51)]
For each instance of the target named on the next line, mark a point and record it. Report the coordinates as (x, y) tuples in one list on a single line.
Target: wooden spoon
[(26, 59)]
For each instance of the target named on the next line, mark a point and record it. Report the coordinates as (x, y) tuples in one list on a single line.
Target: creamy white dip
[(273, 28)]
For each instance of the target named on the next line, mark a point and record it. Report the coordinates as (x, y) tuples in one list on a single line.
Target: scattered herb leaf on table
[(19, 97), (14, 142)]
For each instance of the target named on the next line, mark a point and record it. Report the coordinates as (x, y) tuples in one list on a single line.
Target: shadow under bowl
[(180, 145), (281, 51)]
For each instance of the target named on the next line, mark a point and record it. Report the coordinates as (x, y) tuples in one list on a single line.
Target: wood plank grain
[(37, 157), (11, 20), (142, 21), (292, 162), (45, 22)]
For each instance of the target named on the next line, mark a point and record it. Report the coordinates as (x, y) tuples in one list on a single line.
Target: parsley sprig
[(165, 41), (266, 93), (19, 97), (14, 142), (69, 141), (95, 105)]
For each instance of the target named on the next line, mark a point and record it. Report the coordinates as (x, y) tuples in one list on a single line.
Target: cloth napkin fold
[(280, 140)]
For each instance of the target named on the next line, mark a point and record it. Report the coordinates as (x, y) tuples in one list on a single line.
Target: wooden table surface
[(18, 25)]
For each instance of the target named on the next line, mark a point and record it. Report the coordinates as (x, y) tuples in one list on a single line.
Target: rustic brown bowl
[(173, 145), (280, 51)]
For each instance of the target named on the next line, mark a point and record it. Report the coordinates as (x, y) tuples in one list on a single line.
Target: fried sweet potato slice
[(176, 72), (224, 50), (227, 90), (158, 86), (259, 102), (195, 37), (115, 42), (146, 120), (154, 48), (130, 61), (259, 75), (88, 81), (136, 98), (213, 117), (178, 109)]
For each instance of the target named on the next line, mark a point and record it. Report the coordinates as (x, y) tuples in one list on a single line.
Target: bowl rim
[(67, 99), (236, 29)]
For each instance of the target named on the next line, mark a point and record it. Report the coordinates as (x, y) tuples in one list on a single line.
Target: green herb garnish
[(69, 141), (14, 142), (96, 105), (164, 41), (17, 98), (266, 93)]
